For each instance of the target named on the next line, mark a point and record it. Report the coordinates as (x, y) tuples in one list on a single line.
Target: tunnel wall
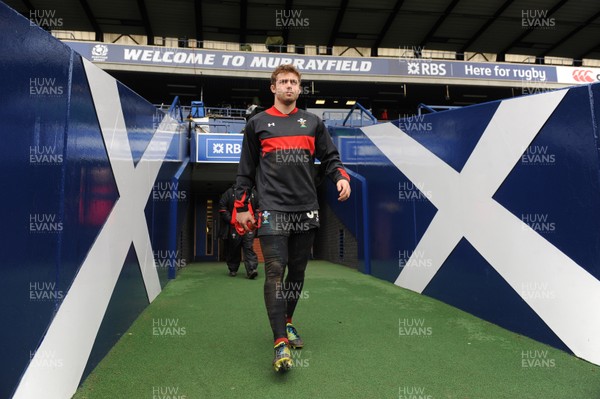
[(490, 208), (85, 210)]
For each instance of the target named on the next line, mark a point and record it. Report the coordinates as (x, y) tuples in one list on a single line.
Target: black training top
[(279, 150)]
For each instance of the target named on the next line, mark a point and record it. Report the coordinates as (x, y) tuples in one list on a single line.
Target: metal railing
[(363, 112), (175, 109), (355, 116), (219, 127), (225, 112)]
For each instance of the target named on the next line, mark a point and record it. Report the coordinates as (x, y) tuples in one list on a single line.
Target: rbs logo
[(219, 147), (432, 69), (227, 148), (426, 68)]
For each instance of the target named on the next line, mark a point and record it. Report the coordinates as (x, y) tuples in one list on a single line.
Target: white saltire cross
[(71, 335), (466, 209)]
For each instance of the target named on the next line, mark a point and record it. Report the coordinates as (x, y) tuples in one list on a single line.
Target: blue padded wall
[(493, 209), (67, 276)]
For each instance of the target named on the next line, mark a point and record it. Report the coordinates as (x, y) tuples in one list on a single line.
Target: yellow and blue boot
[(283, 357), (293, 337)]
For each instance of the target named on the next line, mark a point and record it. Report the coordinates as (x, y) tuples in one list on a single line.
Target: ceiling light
[(350, 102), (319, 102)]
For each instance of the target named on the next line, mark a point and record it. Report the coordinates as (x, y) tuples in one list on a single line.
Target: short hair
[(285, 68)]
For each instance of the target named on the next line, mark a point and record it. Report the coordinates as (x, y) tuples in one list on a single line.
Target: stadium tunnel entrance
[(334, 241)]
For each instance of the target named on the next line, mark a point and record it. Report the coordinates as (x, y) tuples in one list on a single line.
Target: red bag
[(238, 227)]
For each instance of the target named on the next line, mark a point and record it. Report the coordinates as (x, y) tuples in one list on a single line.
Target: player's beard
[(285, 99)]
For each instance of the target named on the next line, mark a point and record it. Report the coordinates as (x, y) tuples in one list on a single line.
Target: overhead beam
[(485, 26), (572, 33), (29, 6), (146, 21), (386, 27), (438, 23), (199, 25), (243, 20), (596, 47), (90, 15), (289, 4), (529, 30), (30, 9), (336, 25)]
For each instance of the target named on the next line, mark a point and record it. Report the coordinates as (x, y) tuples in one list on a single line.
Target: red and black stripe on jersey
[(278, 156)]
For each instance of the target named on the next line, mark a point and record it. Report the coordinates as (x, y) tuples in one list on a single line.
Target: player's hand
[(343, 187), (246, 220)]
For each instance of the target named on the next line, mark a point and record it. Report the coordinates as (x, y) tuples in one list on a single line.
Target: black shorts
[(275, 223)]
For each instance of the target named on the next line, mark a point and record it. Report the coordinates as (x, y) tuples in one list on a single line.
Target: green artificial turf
[(207, 336)]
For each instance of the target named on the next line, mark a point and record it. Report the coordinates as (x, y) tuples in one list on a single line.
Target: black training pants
[(233, 252), (281, 297)]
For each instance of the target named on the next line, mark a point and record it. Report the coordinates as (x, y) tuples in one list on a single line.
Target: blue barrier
[(355, 214), (179, 196), (365, 222), (81, 156), (493, 209)]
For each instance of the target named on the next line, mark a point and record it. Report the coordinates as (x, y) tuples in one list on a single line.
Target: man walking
[(235, 243), (278, 153)]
